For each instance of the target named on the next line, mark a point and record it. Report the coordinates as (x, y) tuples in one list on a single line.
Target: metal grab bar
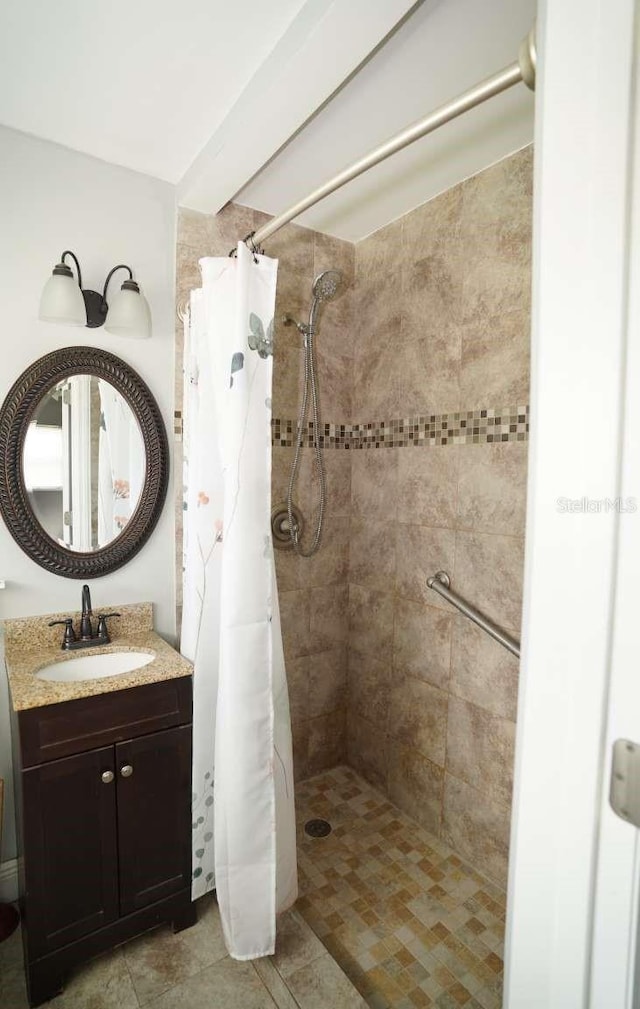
[(441, 583)]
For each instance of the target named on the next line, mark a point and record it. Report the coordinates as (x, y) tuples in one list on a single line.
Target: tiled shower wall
[(442, 343), (425, 360), (313, 593)]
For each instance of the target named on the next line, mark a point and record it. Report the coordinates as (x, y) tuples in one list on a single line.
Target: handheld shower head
[(327, 285)]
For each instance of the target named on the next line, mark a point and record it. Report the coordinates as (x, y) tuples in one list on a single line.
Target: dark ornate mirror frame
[(16, 414)]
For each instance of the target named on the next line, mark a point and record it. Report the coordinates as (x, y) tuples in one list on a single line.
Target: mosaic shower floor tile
[(410, 923)]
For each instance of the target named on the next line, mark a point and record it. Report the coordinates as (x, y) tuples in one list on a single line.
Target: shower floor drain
[(317, 828)]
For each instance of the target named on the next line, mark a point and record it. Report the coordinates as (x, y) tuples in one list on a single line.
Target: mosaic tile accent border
[(469, 427)]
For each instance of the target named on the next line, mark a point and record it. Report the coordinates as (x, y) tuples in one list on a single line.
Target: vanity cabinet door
[(154, 816), (70, 848)]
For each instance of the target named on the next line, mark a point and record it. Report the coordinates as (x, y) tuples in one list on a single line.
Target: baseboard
[(9, 880)]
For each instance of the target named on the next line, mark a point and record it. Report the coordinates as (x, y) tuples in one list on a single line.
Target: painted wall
[(53, 199)]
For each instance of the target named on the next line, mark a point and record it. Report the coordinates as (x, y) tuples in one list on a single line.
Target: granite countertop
[(30, 645)]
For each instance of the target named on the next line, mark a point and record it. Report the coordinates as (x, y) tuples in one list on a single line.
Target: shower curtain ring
[(256, 250), (253, 248)]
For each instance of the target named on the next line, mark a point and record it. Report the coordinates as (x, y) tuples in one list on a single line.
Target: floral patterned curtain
[(121, 464), (243, 812)]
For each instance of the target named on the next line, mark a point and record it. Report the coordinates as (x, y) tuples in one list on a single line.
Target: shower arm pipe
[(441, 583), (524, 69)]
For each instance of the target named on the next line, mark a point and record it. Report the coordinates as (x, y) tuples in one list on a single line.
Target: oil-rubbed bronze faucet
[(86, 631), (87, 638)]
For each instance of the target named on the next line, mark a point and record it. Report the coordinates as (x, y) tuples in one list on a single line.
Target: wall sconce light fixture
[(64, 300)]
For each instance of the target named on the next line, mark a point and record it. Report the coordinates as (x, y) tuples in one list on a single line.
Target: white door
[(615, 968), (573, 891)]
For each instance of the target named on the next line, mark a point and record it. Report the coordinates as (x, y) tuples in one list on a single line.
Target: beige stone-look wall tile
[(334, 384), (298, 683), (330, 253), (281, 461), (377, 380), (492, 488), (327, 682), (379, 252), (418, 717), (371, 621), (370, 682), (290, 573), (293, 298), (442, 324), (337, 333), (480, 749), (367, 749), (295, 621), (373, 484), (306, 488), (372, 553), (421, 551), (292, 246), (496, 219), (337, 467), (327, 741), (300, 740), (288, 369), (415, 785), (482, 671), (398, 378), (428, 485), (188, 275), (477, 827), (422, 642), (431, 292), (328, 617), (432, 227), (377, 308), (330, 564), (488, 572), (494, 365), (214, 235)]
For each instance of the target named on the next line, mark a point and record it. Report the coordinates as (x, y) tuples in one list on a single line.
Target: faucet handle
[(69, 635), (102, 631)]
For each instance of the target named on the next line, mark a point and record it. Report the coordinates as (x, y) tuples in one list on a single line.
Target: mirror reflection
[(83, 463)]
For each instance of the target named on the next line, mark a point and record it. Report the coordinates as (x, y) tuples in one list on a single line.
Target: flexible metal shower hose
[(310, 383)]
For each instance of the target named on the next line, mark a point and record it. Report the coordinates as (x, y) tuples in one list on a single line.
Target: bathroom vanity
[(103, 794)]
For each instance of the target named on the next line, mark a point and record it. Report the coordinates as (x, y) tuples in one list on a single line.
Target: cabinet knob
[(107, 777), (126, 771)]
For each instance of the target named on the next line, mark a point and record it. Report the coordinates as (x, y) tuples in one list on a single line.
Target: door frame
[(561, 837)]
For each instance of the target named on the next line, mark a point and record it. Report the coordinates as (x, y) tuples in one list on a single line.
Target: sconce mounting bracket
[(96, 308)]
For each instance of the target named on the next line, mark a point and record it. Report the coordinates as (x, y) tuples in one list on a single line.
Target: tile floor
[(191, 970), (409, 922)]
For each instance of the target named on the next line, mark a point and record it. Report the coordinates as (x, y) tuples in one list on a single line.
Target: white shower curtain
[(243, 811)]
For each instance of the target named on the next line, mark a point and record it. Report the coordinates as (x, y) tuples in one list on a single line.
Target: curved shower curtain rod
[(523, 69)]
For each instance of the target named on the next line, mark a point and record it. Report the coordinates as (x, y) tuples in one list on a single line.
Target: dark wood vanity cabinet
[(104, 788)]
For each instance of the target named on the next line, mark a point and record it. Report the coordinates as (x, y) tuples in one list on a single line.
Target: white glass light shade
[(62, 301), (128, 314)]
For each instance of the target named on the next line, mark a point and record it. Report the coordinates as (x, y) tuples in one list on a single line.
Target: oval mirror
[(85, 462)]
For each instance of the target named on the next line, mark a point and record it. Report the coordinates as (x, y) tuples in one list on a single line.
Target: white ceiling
[(140, 83), (262, 102), (444, 48)]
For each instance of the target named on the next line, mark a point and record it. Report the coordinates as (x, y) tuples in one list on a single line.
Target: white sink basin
[(93, 667)]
